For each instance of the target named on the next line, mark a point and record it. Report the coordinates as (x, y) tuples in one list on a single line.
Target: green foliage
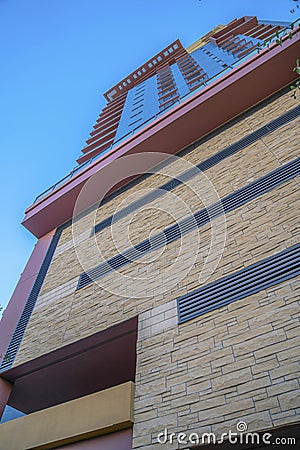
[(277, 39), (296, 86), (297, 67), (278, 36)]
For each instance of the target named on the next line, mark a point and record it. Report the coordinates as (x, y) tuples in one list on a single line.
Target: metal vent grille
[(18, 334), (200, 218), (204, 165), (241, 284)]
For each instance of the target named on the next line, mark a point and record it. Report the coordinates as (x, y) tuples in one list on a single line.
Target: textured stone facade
[(237, 362)]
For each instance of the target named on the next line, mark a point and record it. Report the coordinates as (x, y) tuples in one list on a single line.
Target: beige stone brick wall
[(239, 362)]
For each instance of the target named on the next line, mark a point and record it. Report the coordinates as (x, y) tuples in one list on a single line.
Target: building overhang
[(97, 414), (236, 91), (95, 363)]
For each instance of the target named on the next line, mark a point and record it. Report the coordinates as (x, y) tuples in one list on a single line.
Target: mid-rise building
[(159, 308)]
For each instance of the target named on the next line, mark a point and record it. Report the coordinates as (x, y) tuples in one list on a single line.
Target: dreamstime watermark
[(240, 436), (141, 216)]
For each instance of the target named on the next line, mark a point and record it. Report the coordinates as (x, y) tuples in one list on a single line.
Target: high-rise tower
[(160, 301)]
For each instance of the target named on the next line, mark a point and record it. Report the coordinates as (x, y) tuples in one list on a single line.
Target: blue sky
[(57, 58)]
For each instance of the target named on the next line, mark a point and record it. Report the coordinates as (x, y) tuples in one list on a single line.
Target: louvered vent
[(200, 218), (241, 284), (205, 165), (18, 334)]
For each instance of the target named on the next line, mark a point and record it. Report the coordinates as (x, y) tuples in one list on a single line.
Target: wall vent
[(18, 334), (241, 284)]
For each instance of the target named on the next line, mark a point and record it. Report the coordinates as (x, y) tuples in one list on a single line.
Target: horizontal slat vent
[(196, 220), (205, 165), (241, 284), (18, 334)]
